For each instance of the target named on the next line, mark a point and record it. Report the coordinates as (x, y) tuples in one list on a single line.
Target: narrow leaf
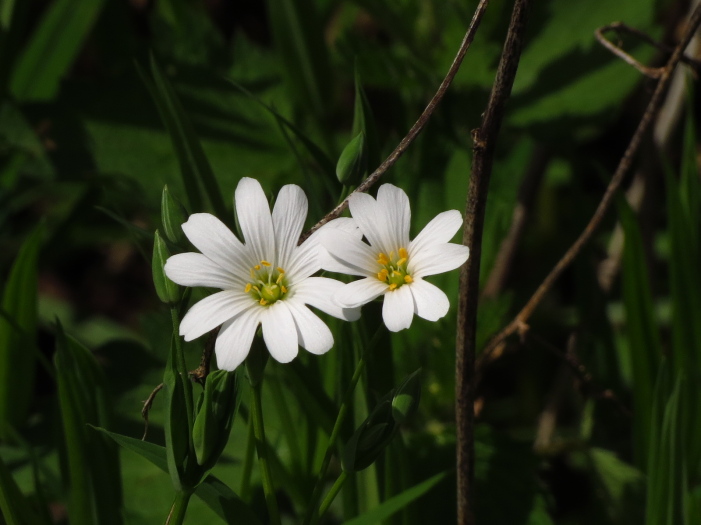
[(14, 507)]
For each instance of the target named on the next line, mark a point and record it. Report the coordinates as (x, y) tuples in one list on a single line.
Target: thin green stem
[(176, 516), (262, 447), (180, 365), (343, 410), (335, 489), (248, 463)]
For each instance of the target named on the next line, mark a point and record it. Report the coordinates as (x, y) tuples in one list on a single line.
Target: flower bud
[(167, 290), (352, 164), (173, 216)]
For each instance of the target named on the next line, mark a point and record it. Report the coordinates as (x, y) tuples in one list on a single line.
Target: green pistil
[(267, 285)]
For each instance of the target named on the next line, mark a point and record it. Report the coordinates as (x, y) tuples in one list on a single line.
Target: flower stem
[(180, 364), (340, 418), (335, 489), (176, 516), (262, 447)]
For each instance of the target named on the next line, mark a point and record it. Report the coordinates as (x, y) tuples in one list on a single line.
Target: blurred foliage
[(105, 102)]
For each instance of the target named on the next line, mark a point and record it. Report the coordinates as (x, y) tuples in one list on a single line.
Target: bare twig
[(624, 165), (147, 407), (417, 127), (652, 72), (484, 139)]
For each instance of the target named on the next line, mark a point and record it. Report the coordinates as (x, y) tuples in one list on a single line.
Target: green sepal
[(407, 397), (353, 162), (167, 290), (217, 407), (173, 216)]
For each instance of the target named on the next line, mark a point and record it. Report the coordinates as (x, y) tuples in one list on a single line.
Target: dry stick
[(519, 322), (416, 128), (484, 139)]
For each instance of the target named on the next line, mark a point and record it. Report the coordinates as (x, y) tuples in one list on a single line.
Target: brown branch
[(652, 72), (484, 139), (624, 165), (418, 125)]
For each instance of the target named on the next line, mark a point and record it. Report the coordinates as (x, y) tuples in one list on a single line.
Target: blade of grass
[(14, 506), (52, 48), (17, 357)]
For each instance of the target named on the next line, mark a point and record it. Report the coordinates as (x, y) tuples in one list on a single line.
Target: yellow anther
[(391, 255), (408, 279), (256, 267), (262, 302), (248, 288), (265, 263), (279, 278), (392, 286), (280, 270), (284, 290), (401, 261), (382, 259), (382, 275), (403, 254)]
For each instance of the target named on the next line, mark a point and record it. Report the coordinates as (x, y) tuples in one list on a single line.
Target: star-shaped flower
[(267, 280), (391, 264)]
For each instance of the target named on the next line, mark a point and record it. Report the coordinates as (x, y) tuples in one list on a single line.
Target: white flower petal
[(289, 214), (212, 311), (235, 338), (312, 332), (437, 258), (359, 292), (393, 206), (369, 219), (195, 269), (398, 309), (441, 229), (318, 292), (430, 302), (280, 332), (255, 220), (210, 236), (344, 253), (307, 258)]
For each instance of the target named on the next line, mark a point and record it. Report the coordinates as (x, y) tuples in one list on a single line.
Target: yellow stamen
[(263, 302), (256, 289), (408, 279), (248, 288), (280, 270), (265, 263), (403, 254), (401, 261), (256, 267), (279, 278), (284, 290), (382, 259), (392, 286), (391, 255)]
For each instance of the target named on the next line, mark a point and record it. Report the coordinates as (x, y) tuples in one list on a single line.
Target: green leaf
[(622, 486), (14, 507), (644, 346), (398, 502), (217, 495), (52, 49), (407, 397), (92, 461), (299, 39), (17, 338), (194, 166), (167, 290)]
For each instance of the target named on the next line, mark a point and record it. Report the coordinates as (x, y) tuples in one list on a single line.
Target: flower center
[(267, 284), (393, 268)]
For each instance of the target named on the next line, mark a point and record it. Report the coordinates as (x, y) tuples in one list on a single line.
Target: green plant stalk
[(263, 461), (245, 492), (176, 516), (360, 367), (337, 486), (181, 366)]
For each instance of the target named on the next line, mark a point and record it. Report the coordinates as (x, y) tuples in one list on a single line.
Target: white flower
[(267, 280), (392, 264)]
